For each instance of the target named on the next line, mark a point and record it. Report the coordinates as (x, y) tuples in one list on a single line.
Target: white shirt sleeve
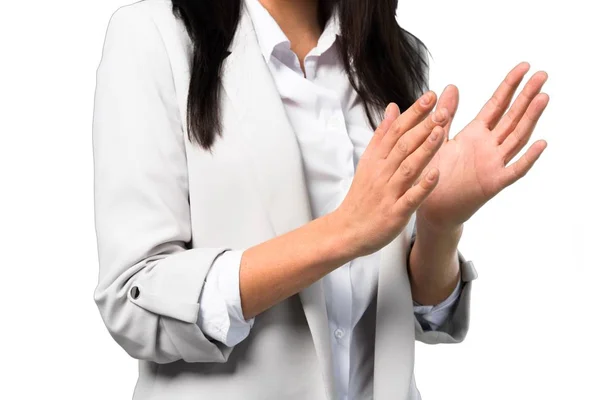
[(221, 315), (433, 316)]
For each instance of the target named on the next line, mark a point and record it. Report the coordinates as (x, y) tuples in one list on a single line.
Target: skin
[(392, 182), (299, 21), (473, 169)]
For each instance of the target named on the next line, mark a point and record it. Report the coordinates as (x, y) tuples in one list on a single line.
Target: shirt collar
[(270, 35)]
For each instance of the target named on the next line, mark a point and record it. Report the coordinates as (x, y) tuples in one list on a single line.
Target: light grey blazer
[(165, 209)]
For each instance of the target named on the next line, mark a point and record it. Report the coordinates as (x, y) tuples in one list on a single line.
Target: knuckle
[(495, 101), (417, 109), (401, 127), (402, 147), (510, 116), (406, 170), (397, 128), (410, 200), (518, 136)]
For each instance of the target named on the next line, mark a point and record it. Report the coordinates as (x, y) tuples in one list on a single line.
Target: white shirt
[(332, 131)]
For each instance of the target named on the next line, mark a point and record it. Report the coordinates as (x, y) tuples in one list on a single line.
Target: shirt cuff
[(431, 317), (221, 315)]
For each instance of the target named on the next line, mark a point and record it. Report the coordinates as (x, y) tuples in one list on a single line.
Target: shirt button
[(339, 333), (135, 292)]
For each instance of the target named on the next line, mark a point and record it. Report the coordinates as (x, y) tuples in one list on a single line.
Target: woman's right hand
[(383, 194)]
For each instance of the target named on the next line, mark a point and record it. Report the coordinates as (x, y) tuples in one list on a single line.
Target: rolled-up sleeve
[(431, 317), (447, 322), (221, 316), (150, 280)]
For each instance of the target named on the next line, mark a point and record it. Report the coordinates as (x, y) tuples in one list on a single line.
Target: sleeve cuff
[(431, 317), (456, 325), (221, 315), (447, 322)]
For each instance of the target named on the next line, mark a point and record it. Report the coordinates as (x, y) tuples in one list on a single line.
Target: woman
[(245, 252)]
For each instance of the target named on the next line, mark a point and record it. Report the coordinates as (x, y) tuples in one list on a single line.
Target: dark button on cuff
[(135, 292)]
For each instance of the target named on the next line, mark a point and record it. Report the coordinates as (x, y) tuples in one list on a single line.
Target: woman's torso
[(248, 190)]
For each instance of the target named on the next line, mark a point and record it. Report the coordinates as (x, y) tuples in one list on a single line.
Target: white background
[(534, 324)]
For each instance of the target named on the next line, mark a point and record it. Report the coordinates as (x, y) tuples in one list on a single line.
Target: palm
[(473, 164)]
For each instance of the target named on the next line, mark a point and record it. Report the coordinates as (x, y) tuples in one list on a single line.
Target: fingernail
[(388, 111), (440, 115), (426, 99), (434, 135), (431, 175)]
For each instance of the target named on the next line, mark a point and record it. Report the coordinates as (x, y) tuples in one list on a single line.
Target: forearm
[(368, 218), (281, 267), (433, 265)]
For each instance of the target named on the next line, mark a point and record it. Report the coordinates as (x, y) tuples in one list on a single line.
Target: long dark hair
[(384, 62)]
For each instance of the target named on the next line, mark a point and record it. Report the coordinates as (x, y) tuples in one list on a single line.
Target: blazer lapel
[(276, 161), (394, 337)]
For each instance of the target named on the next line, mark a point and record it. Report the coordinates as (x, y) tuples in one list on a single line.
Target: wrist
[(344, 244), (425, 228), (433, 265)]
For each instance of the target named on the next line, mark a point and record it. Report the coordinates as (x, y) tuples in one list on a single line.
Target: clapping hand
[(473, 165)]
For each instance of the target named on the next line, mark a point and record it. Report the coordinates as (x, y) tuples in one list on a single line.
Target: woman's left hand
[(473, 165)]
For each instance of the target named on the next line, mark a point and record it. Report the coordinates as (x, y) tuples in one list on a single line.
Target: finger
[(519, 168), (510, 120), (392, 112), (411, 168), (495, 107), (521, 134), (410, 201), (410, 141), (449, 100), (408, 119)]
